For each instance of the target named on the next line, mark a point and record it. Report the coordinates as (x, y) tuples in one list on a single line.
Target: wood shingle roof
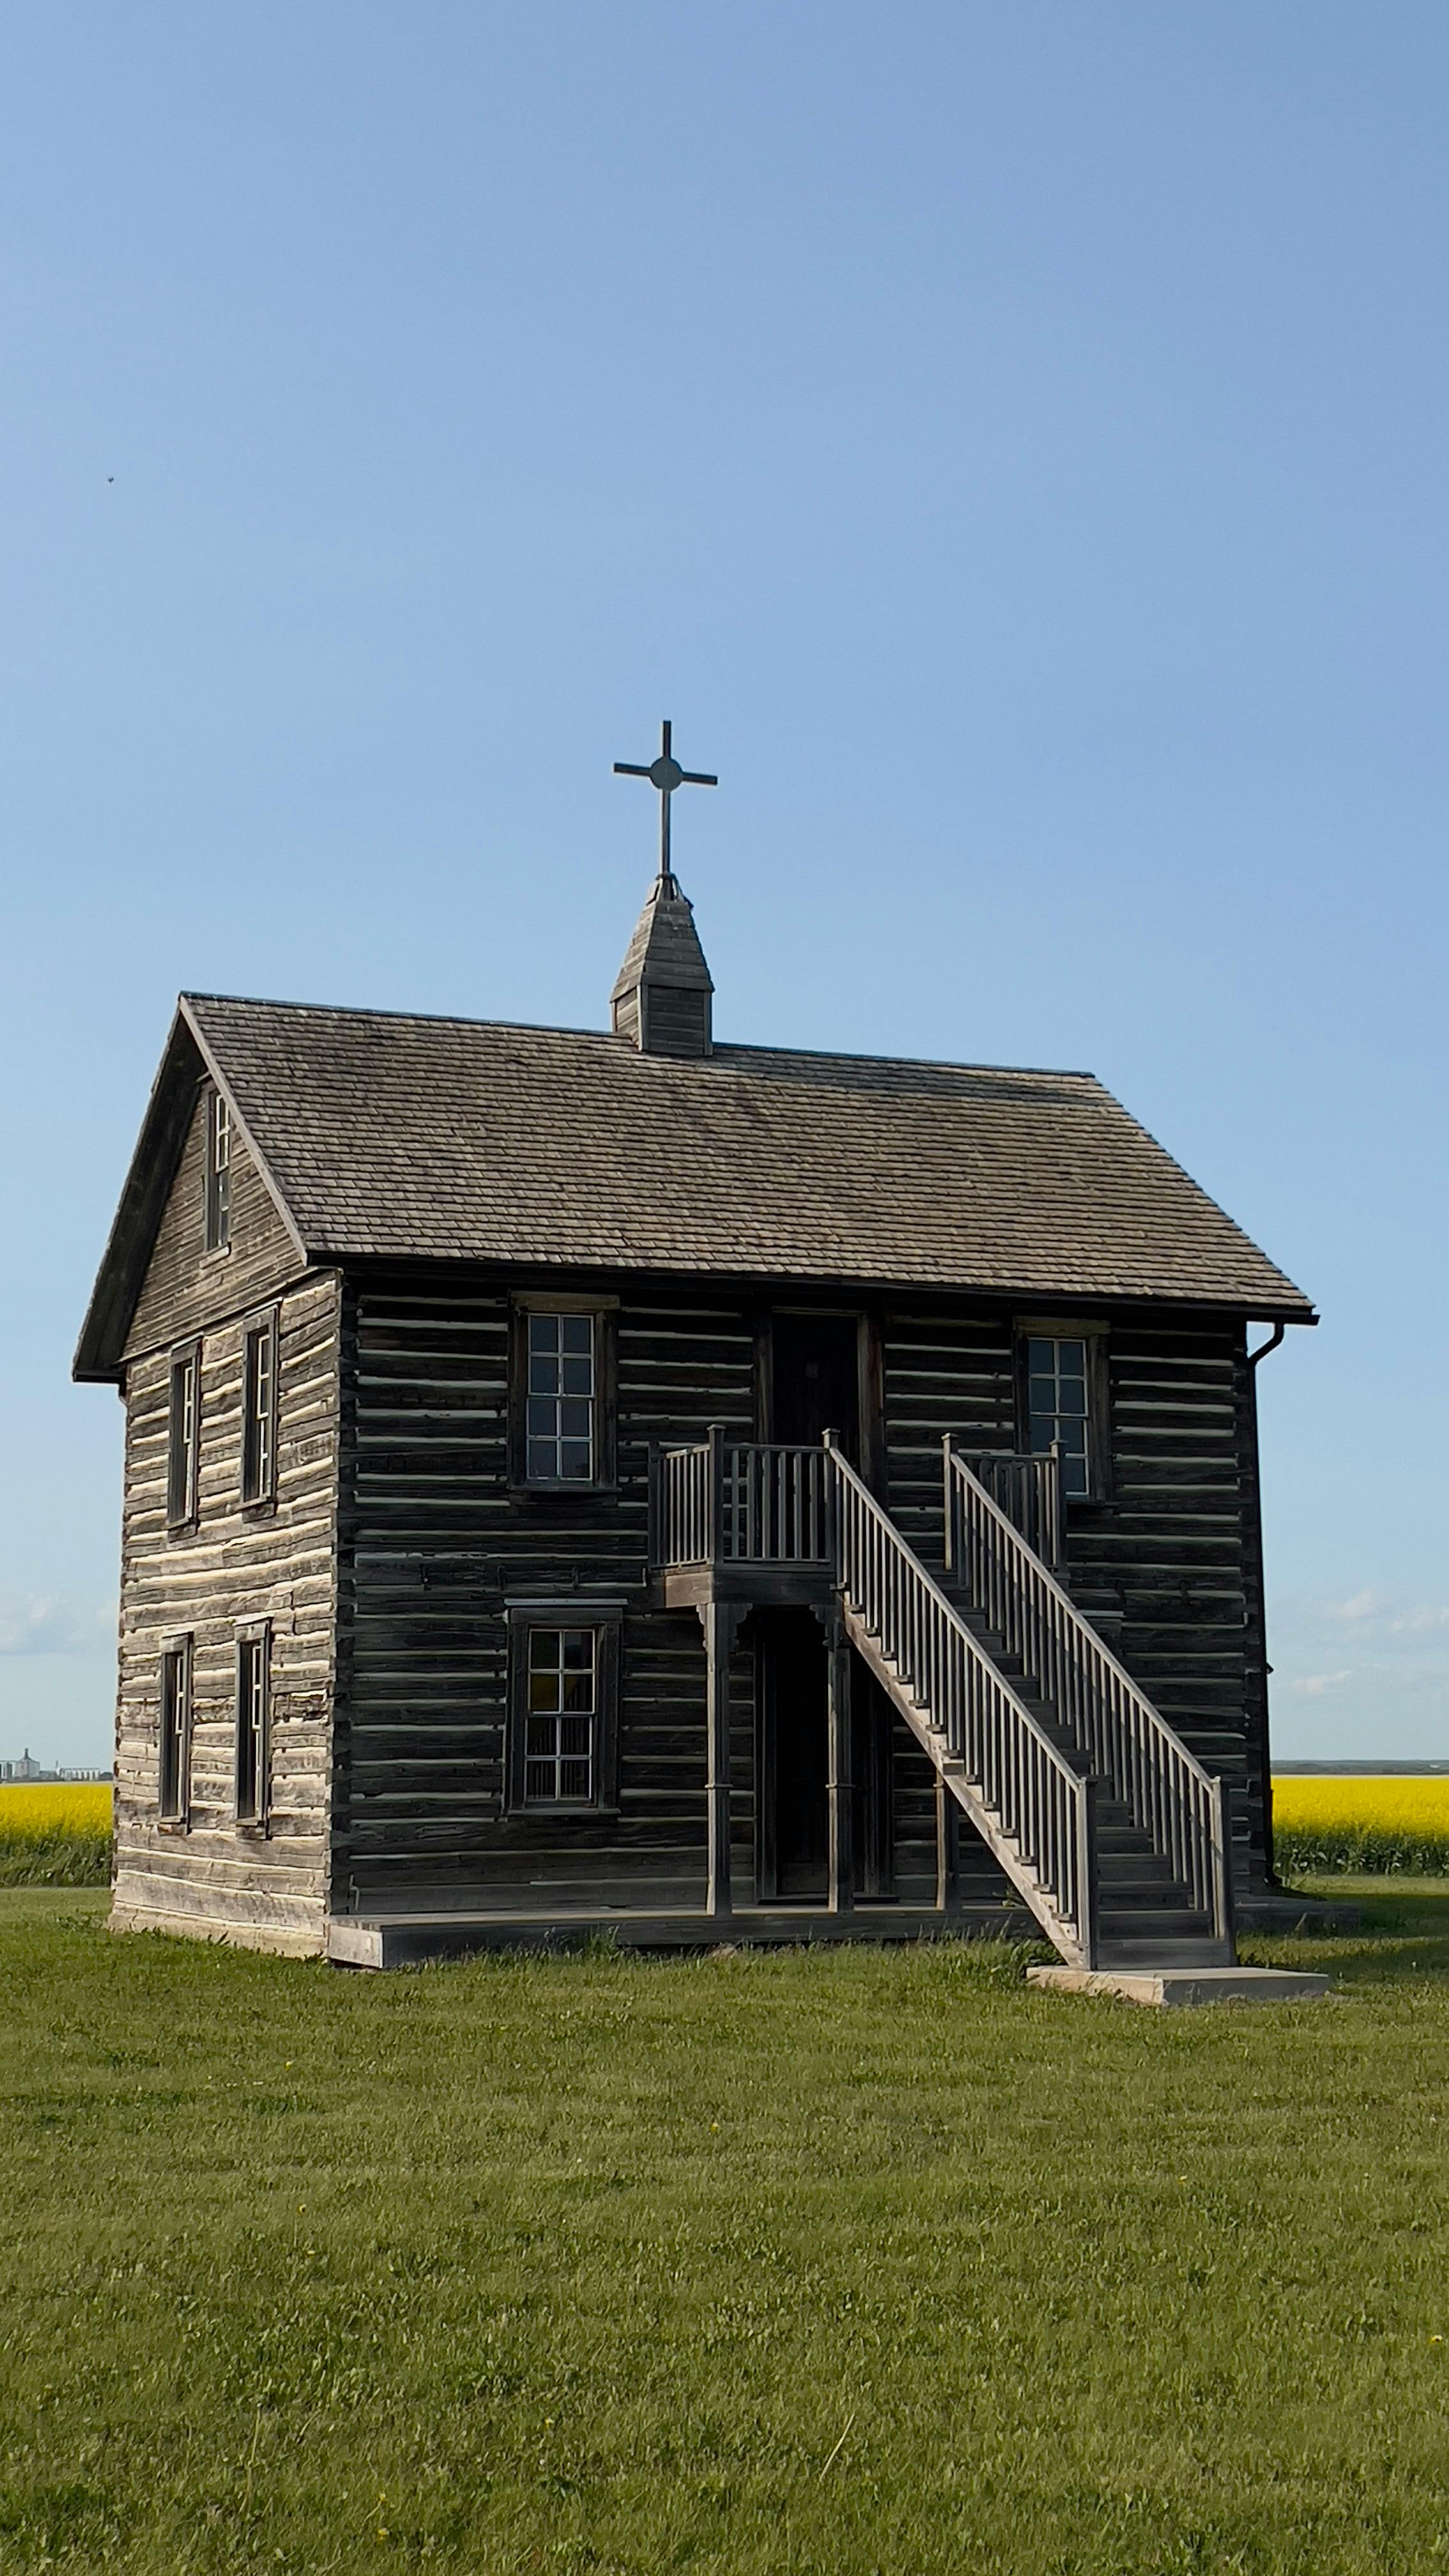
[(386, 1135)]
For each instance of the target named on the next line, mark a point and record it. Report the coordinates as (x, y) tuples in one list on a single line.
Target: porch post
[(718, 1622), (946, 1873), (840, 1898)]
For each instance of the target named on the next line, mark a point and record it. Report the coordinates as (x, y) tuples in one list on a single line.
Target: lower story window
[(253, 1727), (174, 1783), (1057, 1407), (563, 1724), (563, 1706)]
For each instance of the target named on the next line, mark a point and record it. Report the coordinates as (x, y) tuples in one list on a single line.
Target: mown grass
[(1391, 1823), (839, 2262), (55, 1833)]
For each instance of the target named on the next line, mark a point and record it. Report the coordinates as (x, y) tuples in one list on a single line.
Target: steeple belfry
[(661, 998)]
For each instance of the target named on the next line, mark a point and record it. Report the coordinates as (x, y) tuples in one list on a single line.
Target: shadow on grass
[(1401, 1936)]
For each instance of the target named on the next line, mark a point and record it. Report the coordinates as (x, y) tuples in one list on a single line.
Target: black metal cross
[(665, 774)]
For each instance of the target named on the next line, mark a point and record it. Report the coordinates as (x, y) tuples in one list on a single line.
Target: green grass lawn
[(759, 2265)]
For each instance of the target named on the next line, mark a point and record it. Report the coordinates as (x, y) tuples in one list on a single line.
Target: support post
[(946, 1872), (719, 1623), (1222, 1833), (714, 1536), (1087, 1872), (840, 1898)]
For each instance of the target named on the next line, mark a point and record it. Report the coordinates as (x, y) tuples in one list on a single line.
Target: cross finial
[(665, 774)]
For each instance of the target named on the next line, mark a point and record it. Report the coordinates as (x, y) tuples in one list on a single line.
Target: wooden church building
[(629, 1480)]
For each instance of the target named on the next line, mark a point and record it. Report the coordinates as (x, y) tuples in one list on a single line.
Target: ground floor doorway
[(792, 1766)]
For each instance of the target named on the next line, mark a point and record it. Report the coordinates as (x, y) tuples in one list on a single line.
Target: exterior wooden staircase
[(1111, 1831)]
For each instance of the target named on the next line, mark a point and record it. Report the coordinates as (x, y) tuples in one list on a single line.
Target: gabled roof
[(470, 1140)]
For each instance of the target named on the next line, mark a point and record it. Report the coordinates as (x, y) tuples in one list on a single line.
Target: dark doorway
[(815, 1379), (793, 1771), (794, 1857)]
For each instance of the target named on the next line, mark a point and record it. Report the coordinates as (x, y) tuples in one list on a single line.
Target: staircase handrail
[(1039, 1802), (1167, 1792)]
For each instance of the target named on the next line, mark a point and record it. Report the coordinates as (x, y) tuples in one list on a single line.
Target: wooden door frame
[(869, 1320)]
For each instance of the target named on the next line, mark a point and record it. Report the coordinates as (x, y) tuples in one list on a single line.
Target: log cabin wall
[(1165, 1567), (272, 1562), (438, 1546)]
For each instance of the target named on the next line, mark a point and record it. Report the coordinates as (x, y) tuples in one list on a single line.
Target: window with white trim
[(259, 1411), (1058, 1406), (218, 1173), (253, 1726), (182, 1435), (561, 1420), (174, 1762)]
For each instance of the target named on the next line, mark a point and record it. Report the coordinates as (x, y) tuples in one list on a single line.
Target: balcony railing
[(740, 1502)]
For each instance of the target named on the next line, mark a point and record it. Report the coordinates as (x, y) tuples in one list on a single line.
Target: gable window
[(253, 1726), (259, 1411), (174, 1782), (218, 1173), (561, 1425), (182, 1441), (562, 1751), (1058, 1375)]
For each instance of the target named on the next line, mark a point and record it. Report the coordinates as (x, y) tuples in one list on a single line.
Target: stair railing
[(1165, 1789), (1028, 1488), (1040, 1806)]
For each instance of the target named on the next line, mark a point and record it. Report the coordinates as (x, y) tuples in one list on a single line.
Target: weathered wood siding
[(437, 1546), (186, 1287), (274, 1562), (1165, 1568)]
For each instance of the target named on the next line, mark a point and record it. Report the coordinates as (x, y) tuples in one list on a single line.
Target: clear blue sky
[(1010, 443)]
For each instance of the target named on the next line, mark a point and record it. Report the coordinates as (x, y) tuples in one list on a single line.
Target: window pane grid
[(558, 1767), (174, 1786), (1057, 1406), (259, 1391), (560, 1399), (251, 1730), (218, 1174), (181, 1464)]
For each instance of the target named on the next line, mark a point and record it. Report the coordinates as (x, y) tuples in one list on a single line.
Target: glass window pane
[(578, 1332), (573, 1419), (1041, 1357), (578, 1376), (542, 1373), (543, 1691), (578, 1692), (1073, 1396), (542, 1462), (1072, 1358), (574, 1734), (578, 1648), (575, 1459), (538, 1780), (544, 1647), (1074, 1475), (1043, 1433), (573, 1780), (542, 1417), (543, 1332)]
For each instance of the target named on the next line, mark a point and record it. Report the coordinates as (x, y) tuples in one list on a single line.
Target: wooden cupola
[(662, 994)]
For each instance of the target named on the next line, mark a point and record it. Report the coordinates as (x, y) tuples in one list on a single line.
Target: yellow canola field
[(55, 1807), (1386, 1803)]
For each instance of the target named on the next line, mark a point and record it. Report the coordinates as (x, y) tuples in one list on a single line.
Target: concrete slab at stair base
[(1172, 1988)]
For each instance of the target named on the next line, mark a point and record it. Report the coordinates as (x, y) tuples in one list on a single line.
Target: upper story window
[(182, 1440), (218, 1173), (174, 1782), (1058, 1405), (561, 1426), (259, 1411)]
